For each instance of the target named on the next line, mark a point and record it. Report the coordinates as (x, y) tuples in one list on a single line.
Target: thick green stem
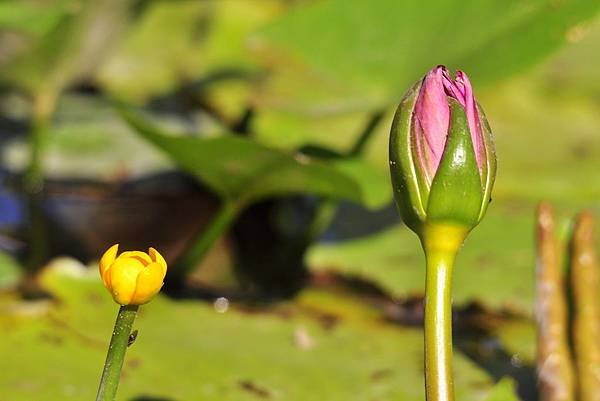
[(441, 243), (116, 353), (204, 241), (438, 326)]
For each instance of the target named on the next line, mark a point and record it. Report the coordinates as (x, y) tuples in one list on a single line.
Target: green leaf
[(546, 25), (174, 43), (376, 49), (161, 49), (31, 18), (374, 183), (73, 47), (243, 170)]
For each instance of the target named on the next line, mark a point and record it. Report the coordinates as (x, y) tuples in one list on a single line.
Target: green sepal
[(409, 193), (489, 171), (456, 194)]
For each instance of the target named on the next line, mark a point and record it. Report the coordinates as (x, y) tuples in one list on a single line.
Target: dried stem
[(554, 365), (586, 320)]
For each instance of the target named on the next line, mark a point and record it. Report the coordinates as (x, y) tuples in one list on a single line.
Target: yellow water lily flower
[(133, 277)]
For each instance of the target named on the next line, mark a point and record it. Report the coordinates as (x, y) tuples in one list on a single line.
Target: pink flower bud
[(442, 159)]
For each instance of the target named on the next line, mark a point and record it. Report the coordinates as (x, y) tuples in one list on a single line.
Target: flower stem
[(116, 353), (438, 326), (441, 243)]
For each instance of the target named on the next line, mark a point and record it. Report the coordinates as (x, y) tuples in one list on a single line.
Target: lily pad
[(503, 391), (10, 271), (192, 350), (494, 267)]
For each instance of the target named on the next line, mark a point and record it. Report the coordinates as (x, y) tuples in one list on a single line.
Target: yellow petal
[(105, 261), (123, 278), (157, 257), (149, 283), (141, 256)]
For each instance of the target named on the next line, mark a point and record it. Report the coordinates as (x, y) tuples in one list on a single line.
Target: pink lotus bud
[(442, 158)]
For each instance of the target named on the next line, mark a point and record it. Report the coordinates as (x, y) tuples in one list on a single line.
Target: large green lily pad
[(187, 350)]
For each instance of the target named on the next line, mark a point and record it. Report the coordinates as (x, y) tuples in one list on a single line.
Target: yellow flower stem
[(116, 353), (441, 244)]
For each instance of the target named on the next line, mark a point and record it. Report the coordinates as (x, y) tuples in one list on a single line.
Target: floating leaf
[(394, 260), (191, 350), (10, 271), (503, 391)]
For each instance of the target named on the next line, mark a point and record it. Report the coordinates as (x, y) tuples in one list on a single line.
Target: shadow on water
[(485, 350)]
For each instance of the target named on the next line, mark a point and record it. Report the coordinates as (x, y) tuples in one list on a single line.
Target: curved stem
[(204, 241), (438, 326), (116, 353)]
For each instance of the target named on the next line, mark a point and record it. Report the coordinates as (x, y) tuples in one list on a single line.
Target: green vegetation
[(280, 111)]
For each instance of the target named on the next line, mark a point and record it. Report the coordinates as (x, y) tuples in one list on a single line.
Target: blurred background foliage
[(260, 127)]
